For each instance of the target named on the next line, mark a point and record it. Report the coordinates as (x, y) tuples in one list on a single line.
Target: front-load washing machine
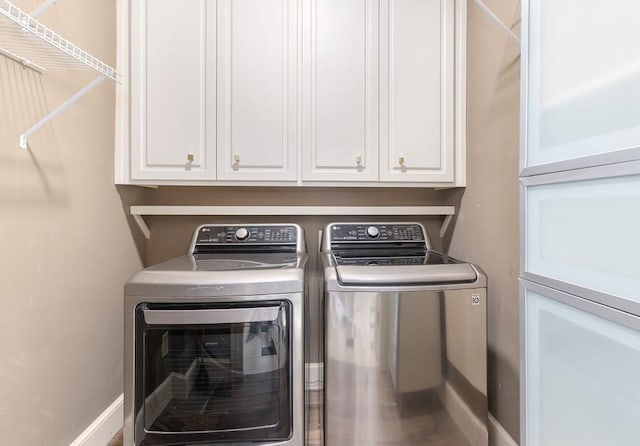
[(405, 359), (213, 341)]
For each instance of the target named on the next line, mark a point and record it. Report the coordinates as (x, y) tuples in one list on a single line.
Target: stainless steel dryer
[(405, 340), (213, 341)]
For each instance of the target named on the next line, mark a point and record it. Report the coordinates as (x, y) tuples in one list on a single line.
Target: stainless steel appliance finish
[(214, 341), (405, 340)]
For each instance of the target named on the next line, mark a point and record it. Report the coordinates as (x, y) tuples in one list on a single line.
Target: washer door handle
[(211, 316)]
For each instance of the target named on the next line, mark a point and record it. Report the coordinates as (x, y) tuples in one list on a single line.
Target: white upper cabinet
[(340, 90), (378, 90), (257, 90), (583, 74), (305, 92), (417, 90), (172, 90)]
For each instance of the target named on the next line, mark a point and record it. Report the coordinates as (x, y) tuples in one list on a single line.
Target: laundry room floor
[(116, 440)]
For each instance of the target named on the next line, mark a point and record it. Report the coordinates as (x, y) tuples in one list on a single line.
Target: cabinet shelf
[(138, 212), (29, 42)]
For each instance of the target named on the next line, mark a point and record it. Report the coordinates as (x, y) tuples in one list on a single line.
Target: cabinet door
[(416, 90), (582, 66), (340, 90), (172, 88), (580, 372), (257, 90)]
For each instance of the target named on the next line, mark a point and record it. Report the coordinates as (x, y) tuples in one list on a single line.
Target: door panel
[(416, 85), (585, 233), (581, 372), (170, 82), (583, 73), (396, 360), (340, 79), (257, 90), (229, 379)]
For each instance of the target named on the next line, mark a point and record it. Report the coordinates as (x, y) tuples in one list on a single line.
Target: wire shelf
[(28, 41)]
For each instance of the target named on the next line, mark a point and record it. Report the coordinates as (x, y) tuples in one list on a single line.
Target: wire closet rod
[(23, 35), (26, 40)]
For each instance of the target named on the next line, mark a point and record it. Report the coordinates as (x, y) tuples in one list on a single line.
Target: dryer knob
[(373, 232), (242, 233)]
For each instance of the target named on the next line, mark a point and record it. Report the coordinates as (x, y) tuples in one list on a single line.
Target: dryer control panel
[(214, 238), (376, 232)]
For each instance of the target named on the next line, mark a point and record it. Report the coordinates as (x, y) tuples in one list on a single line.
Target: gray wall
[(486, 227), (67, 247)]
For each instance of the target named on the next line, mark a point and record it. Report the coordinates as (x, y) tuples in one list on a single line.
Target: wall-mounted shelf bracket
[(139, 211), (445, 225), (142, 224), (24, 138), (504, 28), (24, 39)]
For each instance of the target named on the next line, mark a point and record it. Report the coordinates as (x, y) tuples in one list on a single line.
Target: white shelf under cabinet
[(29, 42), (138, 212)]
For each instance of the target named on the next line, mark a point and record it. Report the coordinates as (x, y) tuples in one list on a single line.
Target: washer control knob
[(373, 232), (242, 233)]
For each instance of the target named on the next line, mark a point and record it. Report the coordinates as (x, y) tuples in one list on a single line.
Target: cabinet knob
[(236, 158), (401, 160), (190, 157), (359, 159)]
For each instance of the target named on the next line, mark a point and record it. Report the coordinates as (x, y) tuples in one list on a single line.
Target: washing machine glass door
[(207, 373)]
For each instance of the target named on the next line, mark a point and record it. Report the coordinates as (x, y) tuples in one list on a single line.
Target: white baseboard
[(497, 435), (314, 376), (103, 428), (473, 429)]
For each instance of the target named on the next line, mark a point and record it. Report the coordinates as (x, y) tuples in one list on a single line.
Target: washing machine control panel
[(376, 232), (236, 235)]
